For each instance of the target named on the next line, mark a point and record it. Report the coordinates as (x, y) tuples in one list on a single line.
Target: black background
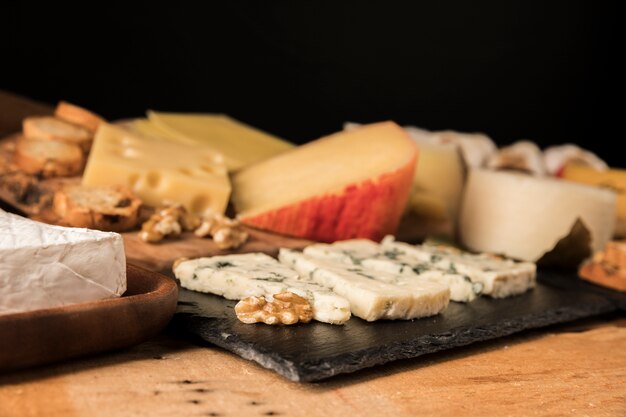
[(542, 70)]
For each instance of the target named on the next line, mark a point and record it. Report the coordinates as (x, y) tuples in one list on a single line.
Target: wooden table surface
[(577, 369)]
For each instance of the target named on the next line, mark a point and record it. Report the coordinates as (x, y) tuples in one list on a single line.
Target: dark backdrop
[(543, 70)]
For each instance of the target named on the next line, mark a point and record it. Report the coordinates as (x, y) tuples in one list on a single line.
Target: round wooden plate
[(50, 335)]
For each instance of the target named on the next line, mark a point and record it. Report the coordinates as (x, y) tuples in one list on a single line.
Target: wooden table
[(571, 370)]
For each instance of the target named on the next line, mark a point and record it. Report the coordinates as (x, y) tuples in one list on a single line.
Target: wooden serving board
[(53, 334), (154, 256)]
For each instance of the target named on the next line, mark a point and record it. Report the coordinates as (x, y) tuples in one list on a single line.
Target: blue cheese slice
[(373, 257), (500, 277), (255, 274), (45, 266), (372, 295)]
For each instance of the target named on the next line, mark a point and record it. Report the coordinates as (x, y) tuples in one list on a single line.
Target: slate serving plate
[(54, 334), (316, 351)]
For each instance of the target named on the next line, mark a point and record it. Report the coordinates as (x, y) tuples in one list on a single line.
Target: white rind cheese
[(371, 296), (406, 268), (255, 274), (44, 266), (500, 277)]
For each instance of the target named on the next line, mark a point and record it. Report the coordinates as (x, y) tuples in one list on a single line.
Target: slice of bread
[(615, 254), (604, 275), (114, 209), (78, 116), (47, 158), (51, 128)]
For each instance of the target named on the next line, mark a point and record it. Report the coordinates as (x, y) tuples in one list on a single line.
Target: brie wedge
[(43, 266)]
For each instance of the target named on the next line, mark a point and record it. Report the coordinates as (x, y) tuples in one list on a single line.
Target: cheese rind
[(404, 268), (499, 277), (157, 169), (241, 145), (255, 274), (44, 266), (523, 217), (372, 296)]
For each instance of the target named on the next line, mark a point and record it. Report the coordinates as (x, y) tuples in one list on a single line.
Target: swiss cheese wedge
[(158, 170), (350, 184), (240, 144)]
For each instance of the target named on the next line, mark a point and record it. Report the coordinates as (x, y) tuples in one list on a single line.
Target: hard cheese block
[(43, 266), (614, 179), (240, 144), (351, 184), (372, 295), (256, 274), (524, 217), (157, 169), (404, 268)]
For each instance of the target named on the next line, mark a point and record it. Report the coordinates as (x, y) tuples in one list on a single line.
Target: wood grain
[(48, 335), (573, 371)]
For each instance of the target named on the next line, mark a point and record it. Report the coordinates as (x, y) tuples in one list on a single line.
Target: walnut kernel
[(286, 308)]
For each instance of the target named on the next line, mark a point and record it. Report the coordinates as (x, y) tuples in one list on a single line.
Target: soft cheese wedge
[(157, 169), (44, 266), (255, 274), (405, 268), (240, 144), (499, 277), (372, 295), (351, 184)]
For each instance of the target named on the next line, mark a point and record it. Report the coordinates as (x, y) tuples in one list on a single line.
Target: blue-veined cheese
[(255, 274), (500, 277), (404, 267), (372, 295)]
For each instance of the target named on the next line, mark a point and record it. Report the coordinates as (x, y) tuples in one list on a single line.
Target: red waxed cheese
[(353, 184)]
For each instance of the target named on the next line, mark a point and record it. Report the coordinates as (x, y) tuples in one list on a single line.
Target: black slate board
[(572, 282), (316, 351)]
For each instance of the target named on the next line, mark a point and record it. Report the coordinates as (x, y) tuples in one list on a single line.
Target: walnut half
[(286, 308)]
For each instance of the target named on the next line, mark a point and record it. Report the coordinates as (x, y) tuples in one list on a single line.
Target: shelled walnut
[(286, 308), (172, 219)]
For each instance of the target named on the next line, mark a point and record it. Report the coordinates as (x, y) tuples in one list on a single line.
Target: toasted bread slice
[(114, 209), (78, 116), (604, 275), (615, 254), (51, 128), (48, 158)]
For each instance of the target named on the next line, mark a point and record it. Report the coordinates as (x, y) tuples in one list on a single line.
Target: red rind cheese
[(352, 184)]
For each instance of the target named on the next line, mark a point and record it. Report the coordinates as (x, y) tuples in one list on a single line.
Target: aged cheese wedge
[(240, 144), (524, 217), (498, 276), (351, 184), (614, 179), (43, 266), (158, 170), (372, 295), (398, 264), (255, 274)]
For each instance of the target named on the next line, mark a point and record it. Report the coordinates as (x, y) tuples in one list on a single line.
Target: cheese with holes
[(351, 184), (255, 274), (372, 295), (157, 169), (613, 179), (44, 266), (401, 266), (524, 217), (240, 144), (498, 277)]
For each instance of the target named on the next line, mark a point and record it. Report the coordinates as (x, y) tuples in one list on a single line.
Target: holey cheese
[(255, 274), (524, 217), (44, 266), (157, 169)]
